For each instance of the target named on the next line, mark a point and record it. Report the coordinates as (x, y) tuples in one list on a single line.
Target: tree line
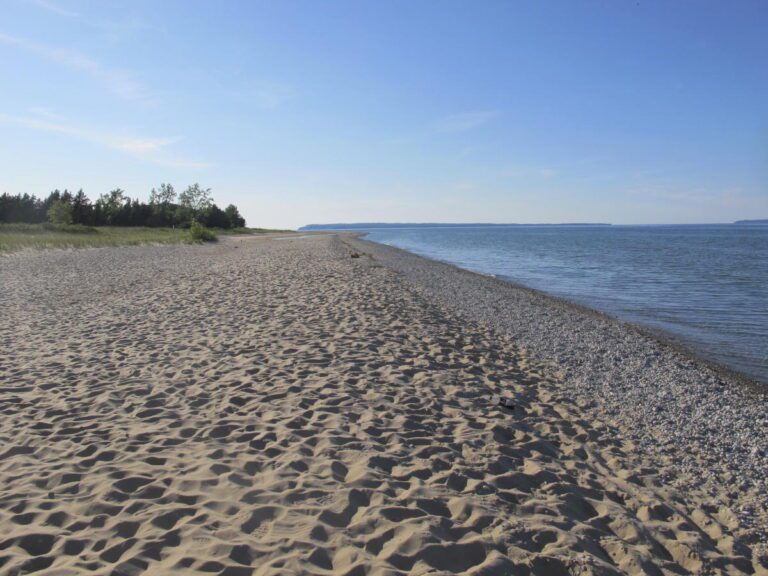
[(164, 209)]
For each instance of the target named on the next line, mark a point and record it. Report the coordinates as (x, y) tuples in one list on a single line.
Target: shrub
[(200, 233)]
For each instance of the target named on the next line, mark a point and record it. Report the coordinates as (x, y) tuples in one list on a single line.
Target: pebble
[(712, 423)]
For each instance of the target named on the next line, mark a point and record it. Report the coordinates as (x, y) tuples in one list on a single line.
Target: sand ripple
[(264, 407)]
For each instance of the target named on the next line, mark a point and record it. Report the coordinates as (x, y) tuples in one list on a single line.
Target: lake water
[(706, 286)]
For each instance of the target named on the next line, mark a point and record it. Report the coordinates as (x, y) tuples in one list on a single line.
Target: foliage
[(162, 205), (60, 212), (164, 197), (214, 217), (20, 208), (117, 209), (111, 205), (81, 207), (233, 214), (199, 233), (196, 199)]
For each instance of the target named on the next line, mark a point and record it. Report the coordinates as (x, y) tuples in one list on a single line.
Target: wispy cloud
[(465, 121), (153, 150), (114, 29), (268, 95), (47, 113), (121, 82), (262, 94), (55, 8), (528, 172)]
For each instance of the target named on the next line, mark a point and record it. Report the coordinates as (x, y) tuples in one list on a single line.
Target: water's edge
[(747, 382)]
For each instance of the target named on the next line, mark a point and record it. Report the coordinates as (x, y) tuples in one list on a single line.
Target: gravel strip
[(662, 398)]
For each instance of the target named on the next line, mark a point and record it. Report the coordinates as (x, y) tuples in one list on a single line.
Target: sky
[(397, 111)]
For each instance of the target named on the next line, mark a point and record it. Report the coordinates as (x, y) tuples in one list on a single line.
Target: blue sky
[(298, 112)]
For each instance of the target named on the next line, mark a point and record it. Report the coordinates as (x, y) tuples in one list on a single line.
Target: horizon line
[(760, 221)]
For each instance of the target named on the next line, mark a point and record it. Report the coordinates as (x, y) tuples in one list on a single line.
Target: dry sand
[(269, 406)]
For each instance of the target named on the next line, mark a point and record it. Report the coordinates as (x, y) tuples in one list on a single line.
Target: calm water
[(706, 286)]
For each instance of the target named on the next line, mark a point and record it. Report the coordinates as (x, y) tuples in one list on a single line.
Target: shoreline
[(684, 404), (749, 382)]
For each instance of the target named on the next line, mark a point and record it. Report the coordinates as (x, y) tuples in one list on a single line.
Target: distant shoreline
[(390, 225), (379, 225)]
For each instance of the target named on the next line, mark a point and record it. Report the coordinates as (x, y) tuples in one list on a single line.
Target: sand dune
[(277, 407)]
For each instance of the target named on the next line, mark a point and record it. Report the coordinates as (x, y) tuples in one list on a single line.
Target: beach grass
[(14, 237), (239, 231)]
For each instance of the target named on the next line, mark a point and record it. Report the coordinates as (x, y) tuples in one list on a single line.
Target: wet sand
[(281, 407)]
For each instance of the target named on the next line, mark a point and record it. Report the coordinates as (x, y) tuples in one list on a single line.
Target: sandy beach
[(323, 405)]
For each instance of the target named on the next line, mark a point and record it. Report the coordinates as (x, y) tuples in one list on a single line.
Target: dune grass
[(14, 237), (236, 231)]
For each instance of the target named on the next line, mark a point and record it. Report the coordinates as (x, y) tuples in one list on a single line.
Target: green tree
[(214, 217), (162, 203), (183, 215), (54, 196), (81, 208), (167, 194), (111, 204), (233, 215), (60, 212), (196, 199), (164, 196)]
